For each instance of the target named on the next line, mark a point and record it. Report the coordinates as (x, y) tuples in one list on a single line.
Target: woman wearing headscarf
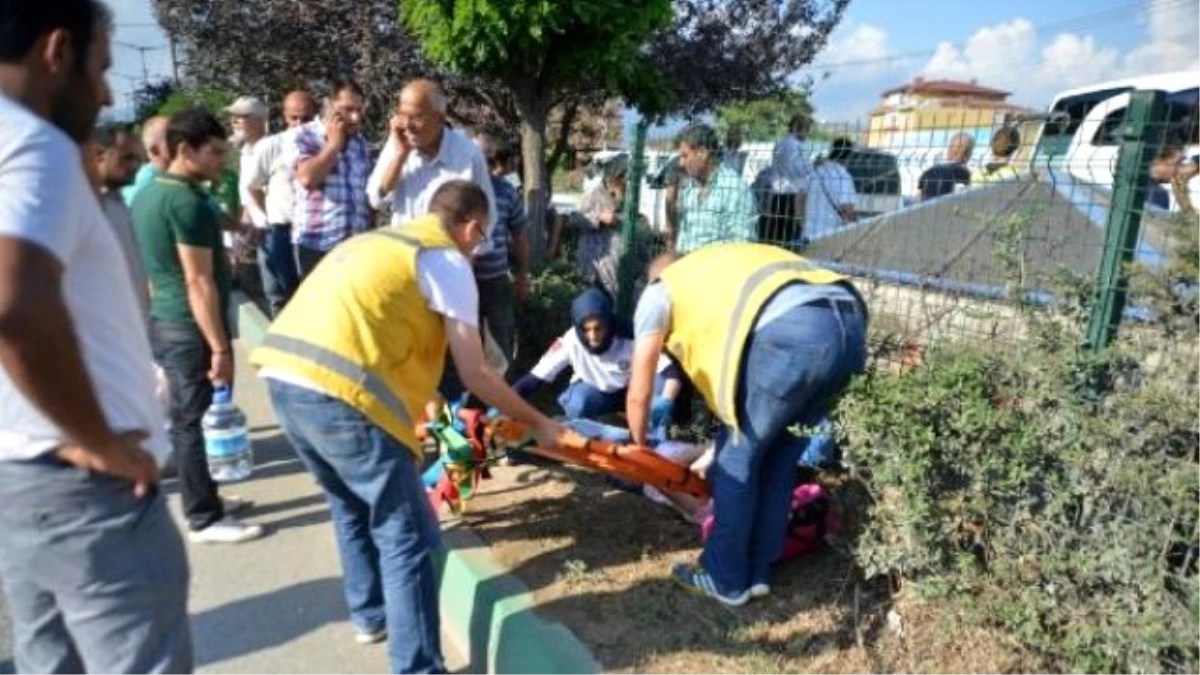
[(598, 348)]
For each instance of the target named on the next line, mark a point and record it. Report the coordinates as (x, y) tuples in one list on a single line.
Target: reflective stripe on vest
[(400, 236), (752, 284), (342, 366)]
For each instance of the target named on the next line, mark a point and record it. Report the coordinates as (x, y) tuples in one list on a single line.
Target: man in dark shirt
[(941, 179), (179, 238)]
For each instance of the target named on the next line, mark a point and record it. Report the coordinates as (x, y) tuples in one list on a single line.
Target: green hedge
[(1042, 490)]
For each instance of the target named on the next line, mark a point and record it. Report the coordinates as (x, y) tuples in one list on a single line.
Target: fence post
[(1141, 137), (629, 218)]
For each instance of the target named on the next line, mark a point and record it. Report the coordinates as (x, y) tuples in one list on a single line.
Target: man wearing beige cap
[(248, 119)]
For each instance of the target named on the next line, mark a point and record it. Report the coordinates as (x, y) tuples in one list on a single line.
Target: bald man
[(269, 180), (943, 179), (422, 152), (158, 156)]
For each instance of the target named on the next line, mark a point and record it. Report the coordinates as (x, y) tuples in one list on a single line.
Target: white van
[(1083, 134)]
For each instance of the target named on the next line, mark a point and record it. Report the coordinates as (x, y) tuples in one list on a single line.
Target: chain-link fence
[(1040, 233), (949, 231)]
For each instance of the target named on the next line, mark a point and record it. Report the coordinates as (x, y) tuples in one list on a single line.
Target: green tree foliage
[(214, 99), (765, 118), (539, 51)]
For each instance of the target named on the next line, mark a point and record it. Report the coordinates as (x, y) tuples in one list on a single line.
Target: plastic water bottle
[(226, 439)]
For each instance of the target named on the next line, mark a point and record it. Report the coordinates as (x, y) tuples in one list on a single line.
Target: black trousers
[(306, 259), (183, 353)]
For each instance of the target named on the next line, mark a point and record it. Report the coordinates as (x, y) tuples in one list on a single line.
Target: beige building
[(925, 113)]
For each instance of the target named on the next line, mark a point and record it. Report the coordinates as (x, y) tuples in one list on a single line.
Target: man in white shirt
[(116, 159), (831, 194), (421, 154), (269, 179), (347, 389), (790, 169), (93, 566)]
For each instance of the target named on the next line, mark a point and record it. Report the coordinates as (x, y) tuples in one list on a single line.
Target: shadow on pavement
[(263, 621)]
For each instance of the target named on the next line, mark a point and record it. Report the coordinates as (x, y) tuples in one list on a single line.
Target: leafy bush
[(1047, 491)]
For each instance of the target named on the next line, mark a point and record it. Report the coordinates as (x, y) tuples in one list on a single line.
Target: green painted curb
[(486, 612)]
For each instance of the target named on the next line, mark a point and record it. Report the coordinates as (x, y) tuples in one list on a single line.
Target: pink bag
[(811, 518)]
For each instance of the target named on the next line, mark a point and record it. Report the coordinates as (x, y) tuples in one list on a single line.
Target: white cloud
[(1071, 61), (1004, 55), (863, 48), (1171, 41), (988, 55)]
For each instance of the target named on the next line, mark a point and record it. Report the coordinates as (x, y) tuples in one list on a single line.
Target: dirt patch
[(596, 559)]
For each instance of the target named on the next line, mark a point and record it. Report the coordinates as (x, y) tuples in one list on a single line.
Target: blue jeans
[(386, 531), (581, 399), (277, 265), (793, 370), (96, 578)]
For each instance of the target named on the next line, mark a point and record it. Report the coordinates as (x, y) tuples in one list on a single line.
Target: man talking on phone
[(332, 166)]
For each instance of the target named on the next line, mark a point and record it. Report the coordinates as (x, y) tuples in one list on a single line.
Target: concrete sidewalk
[(274, 605)]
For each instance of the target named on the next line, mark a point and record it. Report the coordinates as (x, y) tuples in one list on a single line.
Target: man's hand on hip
[(120, 456)]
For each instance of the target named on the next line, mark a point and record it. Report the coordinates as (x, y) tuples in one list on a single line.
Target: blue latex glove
[(660, 412)]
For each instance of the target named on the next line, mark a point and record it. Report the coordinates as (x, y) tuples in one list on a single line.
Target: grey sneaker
[(697, 580), (228, 530), (234, 504), (760, 591)]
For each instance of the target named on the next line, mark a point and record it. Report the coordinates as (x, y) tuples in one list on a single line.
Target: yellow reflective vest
[(717, 293), (359, 329)]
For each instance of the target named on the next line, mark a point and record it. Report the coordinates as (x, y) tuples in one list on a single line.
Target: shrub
[(1047, 491)]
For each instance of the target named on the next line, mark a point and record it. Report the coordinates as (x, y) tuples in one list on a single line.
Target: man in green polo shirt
[(179, 238)]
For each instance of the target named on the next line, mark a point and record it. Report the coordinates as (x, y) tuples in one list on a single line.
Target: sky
[(1032, 48)]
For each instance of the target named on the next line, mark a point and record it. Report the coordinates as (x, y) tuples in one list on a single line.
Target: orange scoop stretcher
[(467, 448)]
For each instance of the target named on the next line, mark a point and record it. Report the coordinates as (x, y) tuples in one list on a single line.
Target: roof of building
[(947, 88)]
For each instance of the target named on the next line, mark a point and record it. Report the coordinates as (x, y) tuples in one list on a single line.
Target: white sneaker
[(370, 638), (760, 591), (228, 530)]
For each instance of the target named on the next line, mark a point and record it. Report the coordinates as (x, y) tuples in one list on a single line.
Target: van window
[(1074, 108), (1183, 114)]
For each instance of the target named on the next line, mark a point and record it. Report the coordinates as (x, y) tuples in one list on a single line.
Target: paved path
[(275, 605)]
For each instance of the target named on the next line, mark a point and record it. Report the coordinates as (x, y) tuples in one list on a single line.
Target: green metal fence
[(943, 243)]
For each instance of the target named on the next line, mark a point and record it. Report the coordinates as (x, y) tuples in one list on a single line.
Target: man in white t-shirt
[(93, 566), (831, 195), (350, 364), (269, 178)]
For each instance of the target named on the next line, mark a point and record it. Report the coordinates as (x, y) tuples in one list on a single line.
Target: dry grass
[(596, 558)]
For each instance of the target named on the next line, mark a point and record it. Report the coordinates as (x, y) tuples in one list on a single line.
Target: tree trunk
[(562, 143), (533, 110)]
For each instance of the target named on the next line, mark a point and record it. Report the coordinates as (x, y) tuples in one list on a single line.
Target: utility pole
[(174, 57), (141, 50)]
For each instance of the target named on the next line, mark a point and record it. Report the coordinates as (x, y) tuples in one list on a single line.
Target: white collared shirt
[(790, 165), (272, 170), (422, 175), (250, 208)]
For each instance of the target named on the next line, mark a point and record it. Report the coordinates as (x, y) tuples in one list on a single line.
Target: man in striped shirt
[(332, 166)]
